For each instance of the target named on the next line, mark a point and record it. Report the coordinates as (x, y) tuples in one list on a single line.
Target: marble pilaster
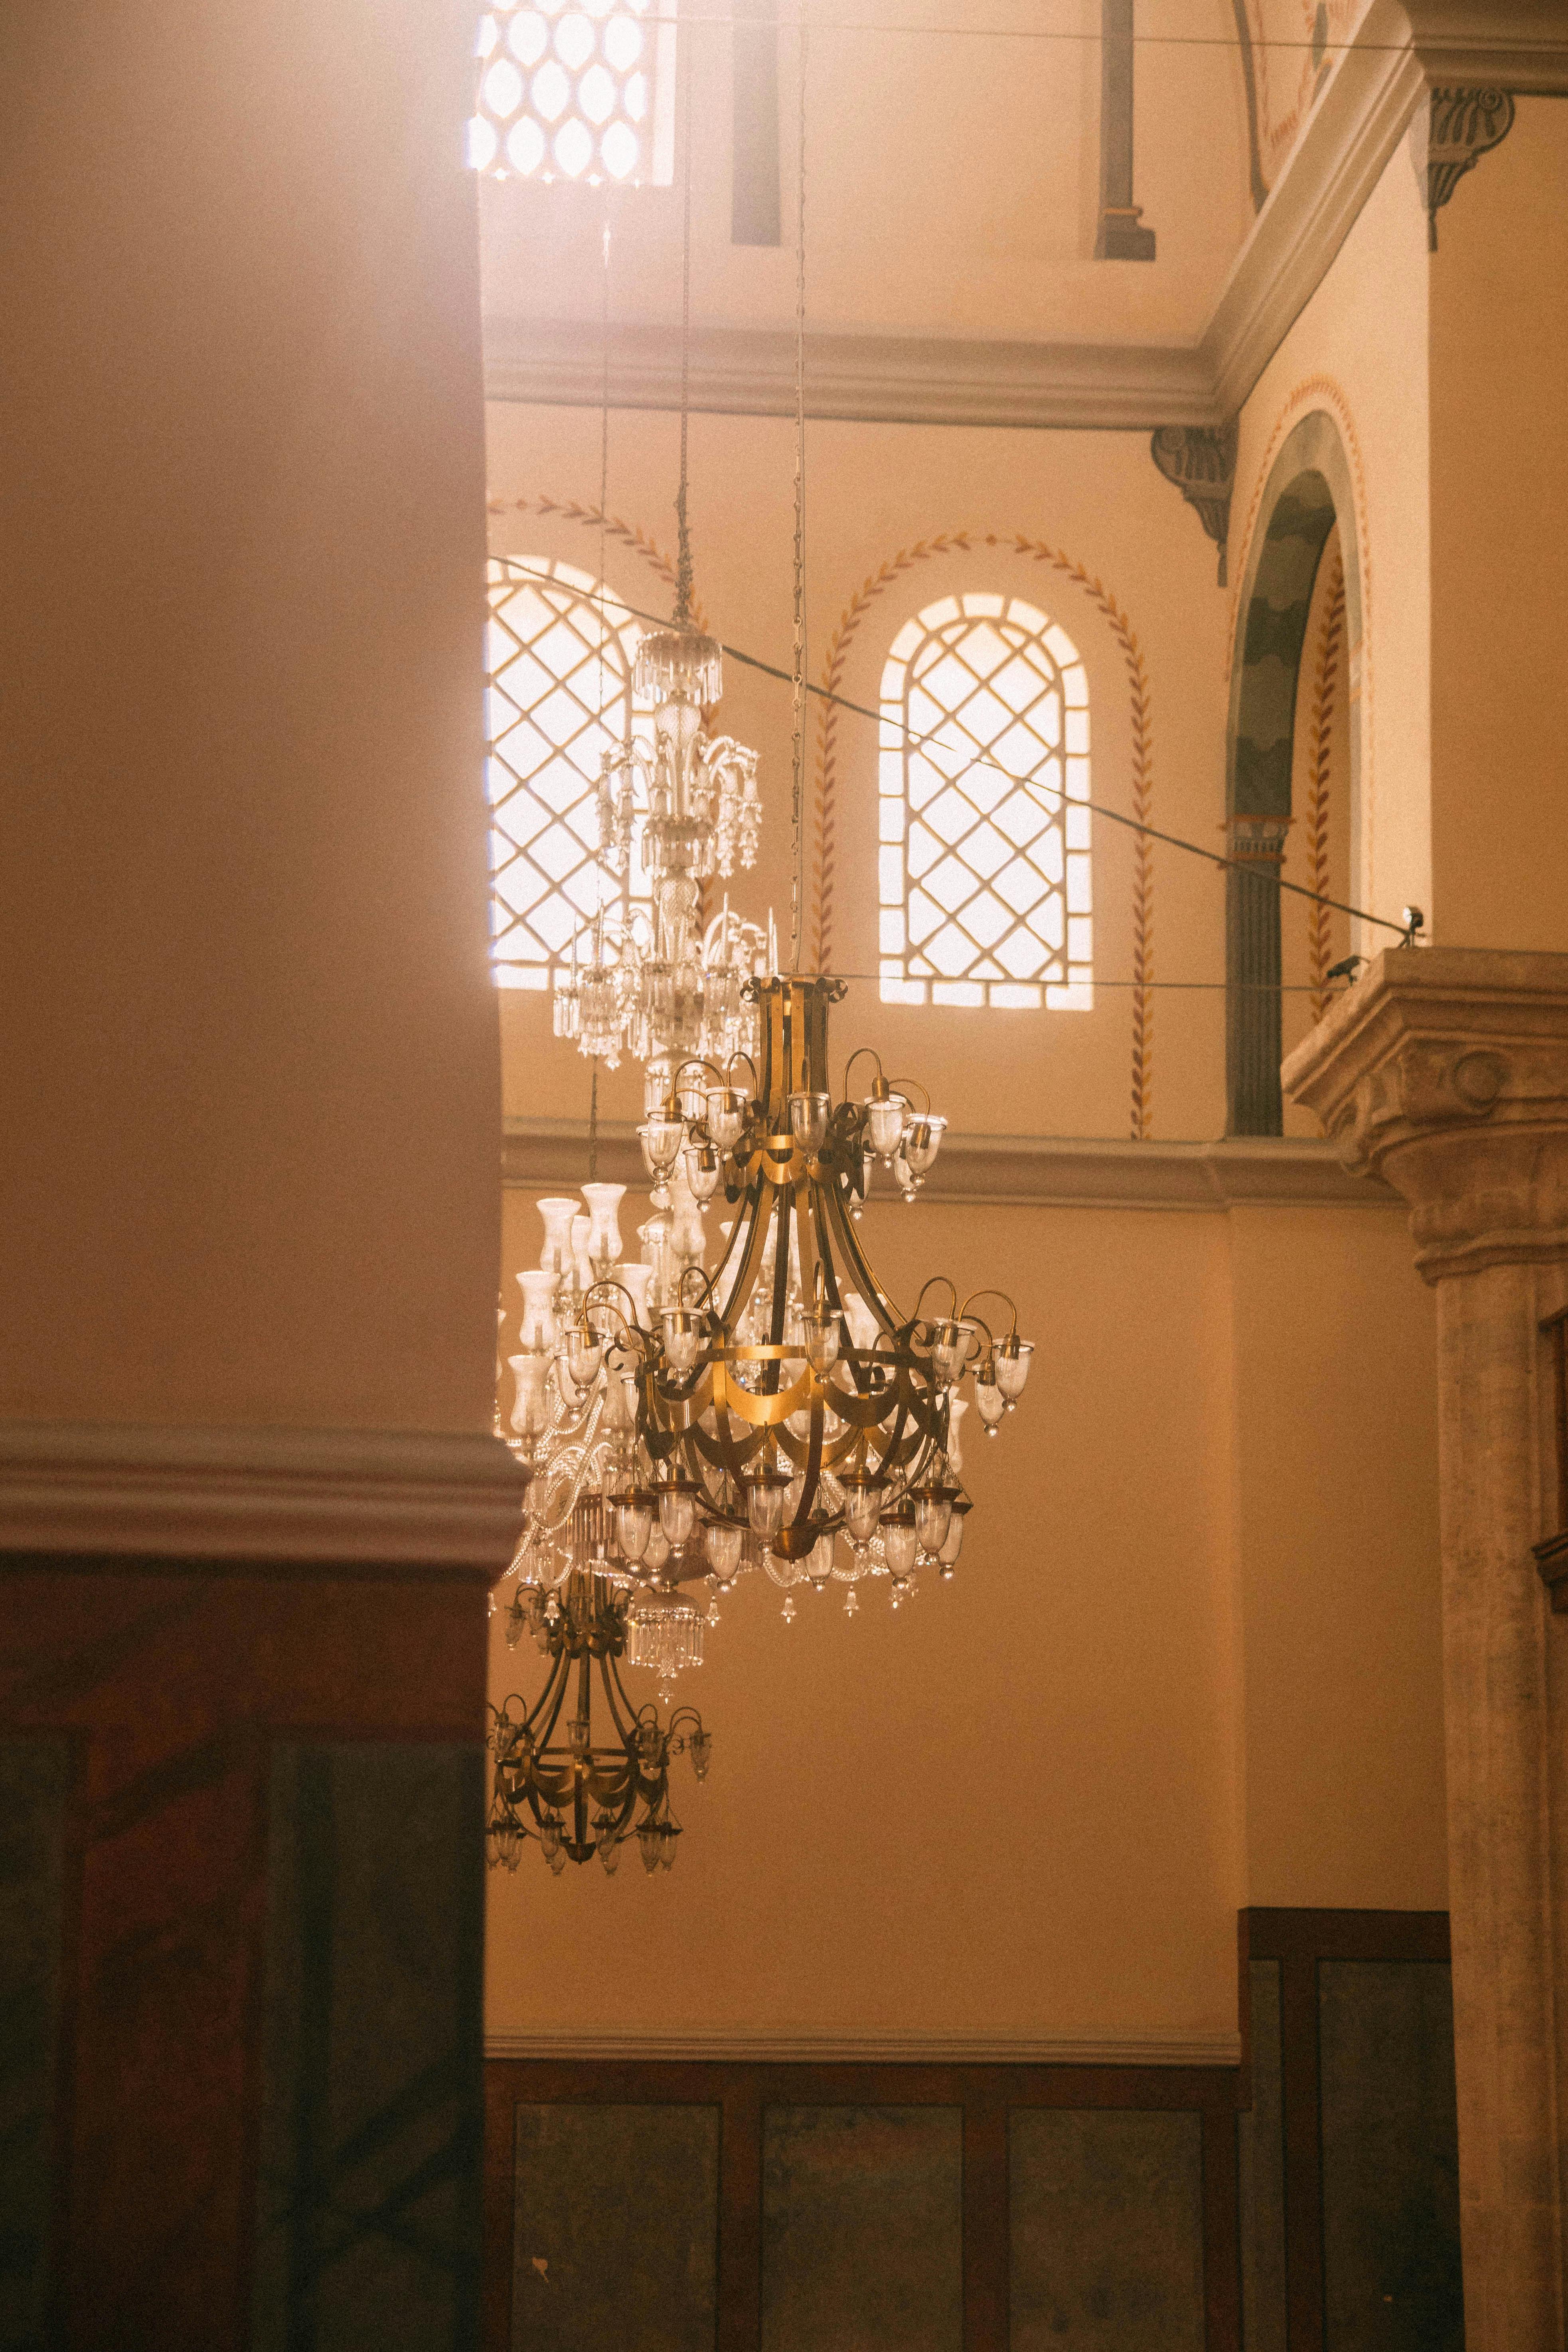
[(1445, 1071)]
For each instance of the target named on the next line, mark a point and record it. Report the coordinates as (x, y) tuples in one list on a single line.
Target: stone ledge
[(416, 1499), (1016, 1170)]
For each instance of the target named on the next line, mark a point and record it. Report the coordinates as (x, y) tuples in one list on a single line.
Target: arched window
[(985, 886), (573, 93), (557, 692)]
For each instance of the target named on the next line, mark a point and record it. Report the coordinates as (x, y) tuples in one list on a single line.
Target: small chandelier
[(663, 984), (553, 1780)]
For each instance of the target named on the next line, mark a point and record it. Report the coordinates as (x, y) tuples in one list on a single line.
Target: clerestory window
[(581, 93), (984, 888), (558, 652)]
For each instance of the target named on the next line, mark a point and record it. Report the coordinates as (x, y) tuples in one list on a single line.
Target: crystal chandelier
[(780, 1413), (687, 803)]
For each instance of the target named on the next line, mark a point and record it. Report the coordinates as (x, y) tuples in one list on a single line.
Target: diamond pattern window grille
[(576, 93), (559, 651), (984, 888)]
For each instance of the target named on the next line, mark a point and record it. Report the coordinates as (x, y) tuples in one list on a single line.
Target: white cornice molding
[(401, 1498), (1017, 1171), (864, 378), (1337, 162), (1399, 49), (736, 2046)]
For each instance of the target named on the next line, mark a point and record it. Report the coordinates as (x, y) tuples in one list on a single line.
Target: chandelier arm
[(854, 1057), (871, 1290), (897, 1086), (952, 1288), (615, 1699), (548, 1713), (1008, 1300)]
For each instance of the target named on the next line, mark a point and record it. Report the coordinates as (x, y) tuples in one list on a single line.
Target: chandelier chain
[(797, 831), (683, 533)]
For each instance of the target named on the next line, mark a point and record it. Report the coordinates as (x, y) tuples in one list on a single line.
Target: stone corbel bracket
[(1201, 461), (1460, 124), (1445, 1070)]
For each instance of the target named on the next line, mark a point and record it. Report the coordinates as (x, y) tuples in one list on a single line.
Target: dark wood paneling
[(1297, 1940), (986, 2095), (171, 1685)]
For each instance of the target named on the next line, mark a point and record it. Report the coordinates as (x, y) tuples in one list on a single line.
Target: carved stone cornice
[(1445, 1070), (1201, 461)]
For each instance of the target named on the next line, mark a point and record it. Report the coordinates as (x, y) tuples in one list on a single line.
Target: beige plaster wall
[(878, 493), (1189, 1660), (250, 1111), (1359, 350), (1499, 556)]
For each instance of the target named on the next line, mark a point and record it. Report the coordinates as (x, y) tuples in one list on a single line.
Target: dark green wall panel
[(1107, 2230), (863, 2228)]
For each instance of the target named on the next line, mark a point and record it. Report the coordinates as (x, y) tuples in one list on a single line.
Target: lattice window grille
[(583, 93), (557, 692), (984, 888)]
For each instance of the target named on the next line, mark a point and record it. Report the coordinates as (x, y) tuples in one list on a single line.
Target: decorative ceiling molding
[(1401, 50), (1201, 461), (737, 2045), (1016, 1170), (413, 1501), (867, 379)]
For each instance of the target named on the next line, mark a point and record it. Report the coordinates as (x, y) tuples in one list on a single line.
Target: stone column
[(1445, 1071)]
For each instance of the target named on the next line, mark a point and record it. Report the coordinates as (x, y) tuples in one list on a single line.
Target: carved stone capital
[(1201, 461), (1445, 1070)]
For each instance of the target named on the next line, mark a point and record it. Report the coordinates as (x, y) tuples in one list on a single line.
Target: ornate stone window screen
[(557, 692), (984, 888), (585, 93)]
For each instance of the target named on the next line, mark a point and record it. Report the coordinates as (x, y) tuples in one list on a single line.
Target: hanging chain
[(604, 448), (683, 534), (797, 876), (593, 1125)]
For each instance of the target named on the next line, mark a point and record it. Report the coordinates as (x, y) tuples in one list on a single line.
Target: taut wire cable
[(683, 538)]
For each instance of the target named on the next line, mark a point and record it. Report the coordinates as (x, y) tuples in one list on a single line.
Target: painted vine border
[(1319, 758), (825, 811)]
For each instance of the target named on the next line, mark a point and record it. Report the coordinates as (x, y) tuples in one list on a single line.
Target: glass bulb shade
[(620, 1402), (822, 1336), (819, 1559), (582, 1269), (577, 1738), (933, 1512), (634, 1522), (667, 1854), (700, 1744), (677, 1509), (723, 1547), (704, 1167), (634, 1278), (538, 1333), (656, 1084), (862, 1321), (684, 1333), (678, 665), (991, 1402), (555, 1255), (655, 1551), (584, 1352), (808, 1116), (885, 1117), (1013, 1356), (531, 1414), (550, 1835), (899, 1540), (949, 1346), (557, 1860), (726, 1116), (863, 1495), (604, 1225), (765, 1502), (952, 1543), (649, 1840), (922, 1142), (609, 1854), (660, 1139), (957, 1407)]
